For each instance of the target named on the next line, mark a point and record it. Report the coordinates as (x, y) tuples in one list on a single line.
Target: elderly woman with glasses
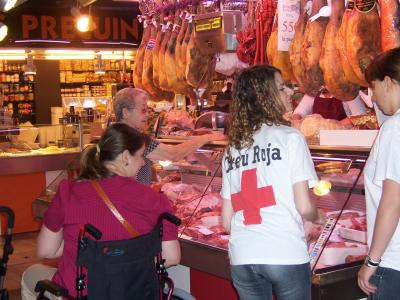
[(130, 107)]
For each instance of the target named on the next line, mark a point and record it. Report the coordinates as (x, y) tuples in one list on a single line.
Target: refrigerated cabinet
[(336, 249)]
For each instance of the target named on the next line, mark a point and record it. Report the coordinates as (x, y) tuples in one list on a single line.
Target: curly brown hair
[(256, 101)]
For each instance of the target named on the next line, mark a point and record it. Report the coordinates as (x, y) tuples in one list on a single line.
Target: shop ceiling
[(106, 4), (50, 24)]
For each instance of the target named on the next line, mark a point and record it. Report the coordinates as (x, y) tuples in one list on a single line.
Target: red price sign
[(288, 26)]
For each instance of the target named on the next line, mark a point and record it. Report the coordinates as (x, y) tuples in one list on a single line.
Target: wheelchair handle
[(93, 231), (171, 218), (11, 215)]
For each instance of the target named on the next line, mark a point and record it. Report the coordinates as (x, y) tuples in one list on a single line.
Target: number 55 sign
[(288, 13)]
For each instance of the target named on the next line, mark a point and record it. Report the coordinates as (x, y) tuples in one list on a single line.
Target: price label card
[(288, 13)]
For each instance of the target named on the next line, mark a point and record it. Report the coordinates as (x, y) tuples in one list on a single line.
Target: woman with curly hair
[(267, 173)]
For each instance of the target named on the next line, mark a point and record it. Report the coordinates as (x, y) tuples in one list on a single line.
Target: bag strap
[(113, 209)]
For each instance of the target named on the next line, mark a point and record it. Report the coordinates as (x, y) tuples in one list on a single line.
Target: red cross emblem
[(251, 199)]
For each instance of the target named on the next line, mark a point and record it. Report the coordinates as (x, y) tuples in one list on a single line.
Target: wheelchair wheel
[(4, 294)]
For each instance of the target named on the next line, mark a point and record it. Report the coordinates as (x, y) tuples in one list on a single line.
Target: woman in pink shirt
[(114, 163)]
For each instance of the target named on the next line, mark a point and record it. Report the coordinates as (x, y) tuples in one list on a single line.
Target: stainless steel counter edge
[(37, 163), (312, 147)]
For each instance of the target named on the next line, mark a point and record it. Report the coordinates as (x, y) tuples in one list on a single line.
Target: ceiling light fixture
[(10, 4), (84, 3), (84, 22), (3, 31), (30, 68)]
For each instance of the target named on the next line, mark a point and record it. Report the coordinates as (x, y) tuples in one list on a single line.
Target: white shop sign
[(352, 138), (288, 12)]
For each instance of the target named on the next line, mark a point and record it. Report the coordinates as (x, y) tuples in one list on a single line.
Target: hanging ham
[(278, 59), (156, 51), (340, 42), (147, 76), (362, 39), (176, 85), (139, 57), (311, 51), (390, 17), (199, 67), (162, 76), (334, 76), (295, 45), (179, 64)]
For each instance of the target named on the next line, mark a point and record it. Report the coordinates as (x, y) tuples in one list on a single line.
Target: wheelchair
[(118, 270), (7, 250)]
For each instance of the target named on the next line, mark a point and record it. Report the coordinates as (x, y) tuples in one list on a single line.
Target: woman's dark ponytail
[(91, 167), (115, 140)]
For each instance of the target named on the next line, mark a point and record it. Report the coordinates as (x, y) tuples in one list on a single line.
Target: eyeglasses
[(143, 111)]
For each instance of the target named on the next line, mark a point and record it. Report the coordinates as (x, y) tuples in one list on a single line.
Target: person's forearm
[(180, 151), (387, 219)]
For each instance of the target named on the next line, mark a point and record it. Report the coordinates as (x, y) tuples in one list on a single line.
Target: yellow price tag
[(213, 23)]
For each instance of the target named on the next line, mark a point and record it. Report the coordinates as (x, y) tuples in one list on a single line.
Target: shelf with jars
[(78, 78), (84, 71), (17, 91), (86, 90)]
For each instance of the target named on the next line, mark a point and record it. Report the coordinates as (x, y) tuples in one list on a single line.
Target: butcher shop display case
[(336, 249)]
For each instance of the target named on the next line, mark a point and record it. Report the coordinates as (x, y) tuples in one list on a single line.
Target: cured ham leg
[(156, 50), (139, 57), (334, 76), (174, 83), (295, 46), (161, 59), (279, 59), (199, 67), (311, 51), (390, 17), (363, 40), (340, 42), (179, 64), (147, 76)]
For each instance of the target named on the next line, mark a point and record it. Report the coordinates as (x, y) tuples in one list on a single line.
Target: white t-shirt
[(274, 234), (352, 108), (384, 163)]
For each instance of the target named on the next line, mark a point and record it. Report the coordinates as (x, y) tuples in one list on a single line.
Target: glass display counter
[(39, 148), (336, 249)]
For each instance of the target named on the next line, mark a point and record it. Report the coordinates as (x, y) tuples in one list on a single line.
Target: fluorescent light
[(61, 57), (43, 41), (9, 5), (12, 57), (87, 54), (69, 52), (3, 31), (12, 51)]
